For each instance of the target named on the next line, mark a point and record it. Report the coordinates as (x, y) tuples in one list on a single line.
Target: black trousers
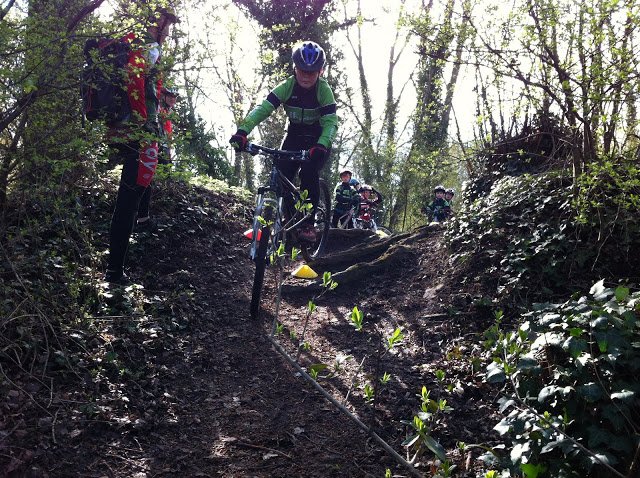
[(309, 170), (127, 203)]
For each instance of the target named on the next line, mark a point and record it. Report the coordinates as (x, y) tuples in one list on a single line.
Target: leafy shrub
[(575, 398), (518, 236), (607, 212)]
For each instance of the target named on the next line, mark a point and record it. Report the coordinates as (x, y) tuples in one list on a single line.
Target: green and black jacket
[(345, 197), (311, 113)]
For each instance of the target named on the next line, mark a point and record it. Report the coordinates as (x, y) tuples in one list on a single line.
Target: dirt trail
[(205, 394)]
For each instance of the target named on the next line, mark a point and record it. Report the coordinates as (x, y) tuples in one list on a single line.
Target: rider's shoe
[(146, 225), (307, 233), (116, 277)]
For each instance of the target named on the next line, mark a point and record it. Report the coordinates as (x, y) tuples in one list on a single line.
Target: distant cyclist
[(367, 203), (448, 196), (311, 108), (438, 208), (346, 198)]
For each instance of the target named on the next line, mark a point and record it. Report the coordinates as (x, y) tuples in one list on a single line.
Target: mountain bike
[(347, 220), (275, 221), (364, 220)]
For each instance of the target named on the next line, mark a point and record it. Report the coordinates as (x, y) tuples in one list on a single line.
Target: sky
[(378, 34)]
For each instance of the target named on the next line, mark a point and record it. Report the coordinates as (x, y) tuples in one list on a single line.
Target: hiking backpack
[(104, 86)]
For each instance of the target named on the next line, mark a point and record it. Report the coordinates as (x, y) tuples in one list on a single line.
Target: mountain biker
[(366, 203), (134, 140), (448, 196), (168, 98), (438, 207), (346, 198), (311, 108)]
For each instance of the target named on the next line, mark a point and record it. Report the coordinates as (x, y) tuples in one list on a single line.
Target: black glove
[(239, 140), (317, 153)]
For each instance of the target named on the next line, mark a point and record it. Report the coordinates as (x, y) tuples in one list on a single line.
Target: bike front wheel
[(261, 263), (322, 222)]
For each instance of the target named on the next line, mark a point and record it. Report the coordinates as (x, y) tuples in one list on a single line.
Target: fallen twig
[(258, 447)]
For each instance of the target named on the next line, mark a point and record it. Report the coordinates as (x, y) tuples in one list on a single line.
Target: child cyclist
[(346, 198), (366, 202), (448, 196), (439, 206), (311, 108)]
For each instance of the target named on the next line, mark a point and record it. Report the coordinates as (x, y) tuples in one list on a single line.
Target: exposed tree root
[(358, 253), (374, 255)]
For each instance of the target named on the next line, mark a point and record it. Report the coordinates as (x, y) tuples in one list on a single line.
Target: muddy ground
[(171, 378)]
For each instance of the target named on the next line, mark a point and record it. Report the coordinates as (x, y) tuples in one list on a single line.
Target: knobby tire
[(261, 265)]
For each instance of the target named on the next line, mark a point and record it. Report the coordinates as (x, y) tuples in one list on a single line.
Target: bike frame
[(279, 185), (346, 218), (356, 222), (269, 226)]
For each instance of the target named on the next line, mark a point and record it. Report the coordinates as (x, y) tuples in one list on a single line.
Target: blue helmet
[(308, 56)]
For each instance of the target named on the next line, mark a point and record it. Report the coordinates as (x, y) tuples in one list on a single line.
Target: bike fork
[(262, 205)]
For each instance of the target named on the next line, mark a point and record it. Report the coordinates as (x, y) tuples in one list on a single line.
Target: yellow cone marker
[(304, 272), (382, 233)]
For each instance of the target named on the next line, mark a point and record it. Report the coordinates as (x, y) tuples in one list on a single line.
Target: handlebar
[(254, 149)]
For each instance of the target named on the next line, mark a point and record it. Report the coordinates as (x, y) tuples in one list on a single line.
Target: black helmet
[(439, 189), (308, 56), (450, 191)]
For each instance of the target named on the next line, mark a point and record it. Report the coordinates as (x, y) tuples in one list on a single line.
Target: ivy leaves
[(573, 369)]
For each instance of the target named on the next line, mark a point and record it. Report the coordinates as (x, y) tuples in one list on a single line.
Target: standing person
[(168, 98), (448, 196), (346, 198), (135, 139), (437, 209), (311, 108), (366, 203)]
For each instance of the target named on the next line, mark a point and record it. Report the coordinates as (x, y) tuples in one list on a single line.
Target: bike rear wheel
[(322, 222), (261, 263)]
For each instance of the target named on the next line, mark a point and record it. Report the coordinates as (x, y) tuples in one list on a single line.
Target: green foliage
[(282, 29), (573, 368), (327, 282), (369, 392), (424, 423), (315, 369), (518, 232), (396, 337), (607, 205), (195, 150), (357, 317)]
